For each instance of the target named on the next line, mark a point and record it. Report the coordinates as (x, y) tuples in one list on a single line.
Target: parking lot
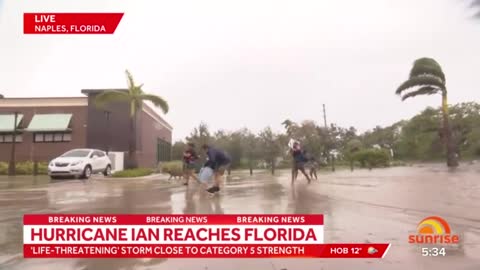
[(382, 205)]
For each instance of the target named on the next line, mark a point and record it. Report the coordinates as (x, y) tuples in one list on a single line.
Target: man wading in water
[(218, 161), (299, 161)]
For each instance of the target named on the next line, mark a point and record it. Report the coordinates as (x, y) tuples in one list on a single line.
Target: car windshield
[(77, 153)]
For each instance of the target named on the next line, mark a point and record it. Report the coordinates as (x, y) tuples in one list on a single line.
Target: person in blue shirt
[(299, 160), (219, 161)]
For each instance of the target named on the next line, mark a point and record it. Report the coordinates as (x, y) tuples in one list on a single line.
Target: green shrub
[(174, 167), (3, 168), (42, 168), (133, 173), (372, 158), (24, 168)]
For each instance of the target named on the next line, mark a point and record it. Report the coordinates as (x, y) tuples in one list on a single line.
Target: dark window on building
[(58, 137), (48, 137), (52, 137), (8, 138), (163, 150), (67, 137)]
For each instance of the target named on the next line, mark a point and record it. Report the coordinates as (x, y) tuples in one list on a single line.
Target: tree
[(250, 145), (290, 127), (466, 128), (352, 147), (271, 148), (427, 78), (200, 136), (135, 96), (177, 150)]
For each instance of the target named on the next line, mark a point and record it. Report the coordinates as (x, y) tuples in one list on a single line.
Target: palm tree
[(427, 77), (135, 97)]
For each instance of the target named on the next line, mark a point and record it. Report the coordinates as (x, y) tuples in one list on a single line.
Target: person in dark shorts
[(190, 158), (299, 161), (312, 164), (219, 161)]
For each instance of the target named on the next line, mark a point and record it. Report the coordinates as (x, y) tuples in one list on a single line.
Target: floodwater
[(383, 205)]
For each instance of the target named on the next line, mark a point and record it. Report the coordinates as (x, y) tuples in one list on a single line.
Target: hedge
[(24, 168)]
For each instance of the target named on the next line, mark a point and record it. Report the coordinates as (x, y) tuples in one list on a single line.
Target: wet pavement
[(383, 205)]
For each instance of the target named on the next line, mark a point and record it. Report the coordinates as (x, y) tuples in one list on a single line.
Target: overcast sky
[(250, 63)]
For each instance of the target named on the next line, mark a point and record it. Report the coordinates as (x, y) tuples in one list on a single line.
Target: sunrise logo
[(433, 230)]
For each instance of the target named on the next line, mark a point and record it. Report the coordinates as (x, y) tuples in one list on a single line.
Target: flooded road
[(383, 205)]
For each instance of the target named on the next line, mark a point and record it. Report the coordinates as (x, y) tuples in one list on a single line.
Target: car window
[(98, 153), (76, 153)]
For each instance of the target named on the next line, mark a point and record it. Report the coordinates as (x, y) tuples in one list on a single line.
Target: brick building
[(48, 127)]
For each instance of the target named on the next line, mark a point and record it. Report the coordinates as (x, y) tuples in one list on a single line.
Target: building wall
[(45, 151), (114, 133), (90, 129), (151, 129)]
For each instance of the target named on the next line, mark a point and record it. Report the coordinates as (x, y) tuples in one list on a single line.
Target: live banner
[(185, 236), (71, 23)]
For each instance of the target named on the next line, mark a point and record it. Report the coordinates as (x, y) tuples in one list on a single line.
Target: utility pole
[(330, 158), (325, 117), (11, 167)]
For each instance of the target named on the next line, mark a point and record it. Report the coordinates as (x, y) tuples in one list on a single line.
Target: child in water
[(190, 158)]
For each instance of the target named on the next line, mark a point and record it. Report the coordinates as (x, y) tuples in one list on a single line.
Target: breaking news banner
[(71, 23), (184, 236)]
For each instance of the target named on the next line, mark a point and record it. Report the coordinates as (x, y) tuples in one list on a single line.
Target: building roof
[(73, 101), (96, 91), (7, 122), (49, 122), (43, 102)]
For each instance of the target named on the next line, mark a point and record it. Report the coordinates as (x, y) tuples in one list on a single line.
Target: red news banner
[(185, 236), (71, 23)]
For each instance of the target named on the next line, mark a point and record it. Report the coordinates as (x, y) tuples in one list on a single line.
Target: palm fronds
[(426, 90), (111, 96), (420, 81), (157, 101), (426, 76)]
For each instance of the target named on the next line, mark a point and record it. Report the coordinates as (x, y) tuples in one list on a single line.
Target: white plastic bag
[(291, 143), (205, 175)]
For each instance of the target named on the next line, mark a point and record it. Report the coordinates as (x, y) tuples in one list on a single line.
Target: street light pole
[(11, 167)]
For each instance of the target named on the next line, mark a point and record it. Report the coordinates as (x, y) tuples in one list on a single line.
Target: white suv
[(80, 163)]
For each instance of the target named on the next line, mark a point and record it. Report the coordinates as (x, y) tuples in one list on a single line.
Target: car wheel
[(108, 170), (87, 172)]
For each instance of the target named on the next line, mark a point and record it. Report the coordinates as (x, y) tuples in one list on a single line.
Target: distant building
[(48, 127)]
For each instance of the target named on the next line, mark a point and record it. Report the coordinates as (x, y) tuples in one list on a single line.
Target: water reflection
[(198, 201), (364, 204), (116, 264)]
